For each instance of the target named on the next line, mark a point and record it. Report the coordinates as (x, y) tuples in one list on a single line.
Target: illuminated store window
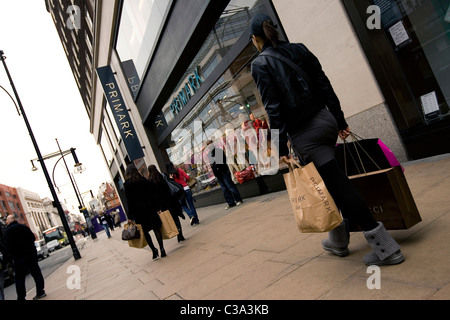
[(227, 31)]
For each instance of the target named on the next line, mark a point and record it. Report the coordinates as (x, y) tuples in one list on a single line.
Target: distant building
[(52, 212), (108, 196), (35, 211), (10, 204)]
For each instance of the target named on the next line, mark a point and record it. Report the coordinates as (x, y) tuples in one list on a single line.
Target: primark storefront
[(187, 65)]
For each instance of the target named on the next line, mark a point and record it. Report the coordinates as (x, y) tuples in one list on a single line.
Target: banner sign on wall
[(120, 112)]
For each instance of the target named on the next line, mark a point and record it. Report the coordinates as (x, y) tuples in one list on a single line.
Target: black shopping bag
[(361, 156), (389, 198)]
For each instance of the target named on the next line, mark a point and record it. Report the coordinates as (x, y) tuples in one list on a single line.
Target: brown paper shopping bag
[(138, 243), (168, 228), (314, 209)]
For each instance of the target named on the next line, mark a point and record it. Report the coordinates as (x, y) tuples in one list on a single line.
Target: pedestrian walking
[(164, 199), (110, 220), (4, 261), (187, 203), (19, 241), (104, 223), (219, 166), (116, 216), (143, 208), (302, 104)]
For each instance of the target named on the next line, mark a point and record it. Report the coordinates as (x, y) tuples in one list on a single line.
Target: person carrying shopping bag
[(165, 201), (142, 207), (300, 102)]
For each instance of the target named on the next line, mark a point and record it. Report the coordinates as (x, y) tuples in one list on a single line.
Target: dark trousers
[(21, 267), (346, 197), (230, 191)]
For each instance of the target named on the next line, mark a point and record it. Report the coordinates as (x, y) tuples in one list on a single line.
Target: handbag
[(314, 208), (138, 243), (245, 175), (168, 227), (130, 232), (176, 189)]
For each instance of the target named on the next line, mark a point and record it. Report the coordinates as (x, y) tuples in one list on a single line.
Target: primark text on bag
[(314, 208)]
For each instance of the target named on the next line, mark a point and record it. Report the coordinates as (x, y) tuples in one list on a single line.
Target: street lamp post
[(79, 168), (81, 207), (56, 203)]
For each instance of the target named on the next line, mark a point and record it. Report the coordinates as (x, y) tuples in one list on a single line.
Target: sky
[(49, 94)]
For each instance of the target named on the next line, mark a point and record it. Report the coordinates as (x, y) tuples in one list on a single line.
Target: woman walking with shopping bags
[(300, 102), (165, 201), (142, 207)]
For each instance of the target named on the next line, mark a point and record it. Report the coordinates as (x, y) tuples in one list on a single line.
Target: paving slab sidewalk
[(255, 252)]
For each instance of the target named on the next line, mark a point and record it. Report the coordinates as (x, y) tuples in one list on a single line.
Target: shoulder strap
[(289, 62)]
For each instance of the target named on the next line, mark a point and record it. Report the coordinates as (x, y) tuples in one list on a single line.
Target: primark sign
[(192, 85), (120, 112)]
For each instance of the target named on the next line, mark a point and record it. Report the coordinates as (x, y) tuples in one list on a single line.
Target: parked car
[(42, 249), (53, 245)]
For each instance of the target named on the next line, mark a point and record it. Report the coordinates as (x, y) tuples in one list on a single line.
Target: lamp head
[(79, 168), (33, 168)]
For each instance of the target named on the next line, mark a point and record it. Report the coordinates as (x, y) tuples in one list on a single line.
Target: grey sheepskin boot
[(386, 250), (338, 240)]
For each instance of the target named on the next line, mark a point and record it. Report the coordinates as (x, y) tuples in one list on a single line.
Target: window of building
[(419, 36), (230, 101), (4, 205), (410, 54), (227, 31), (140, 25), (229, 97), (105, 144)]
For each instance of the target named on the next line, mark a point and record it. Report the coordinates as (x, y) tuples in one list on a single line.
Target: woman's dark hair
[(153, 174), (170, 168), (132, 174), (271, 32)]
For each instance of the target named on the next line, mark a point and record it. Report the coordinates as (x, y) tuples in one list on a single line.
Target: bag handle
[(293, 164), (355, 138)]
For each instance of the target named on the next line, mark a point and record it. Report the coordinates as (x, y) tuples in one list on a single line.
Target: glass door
[(419, 34)]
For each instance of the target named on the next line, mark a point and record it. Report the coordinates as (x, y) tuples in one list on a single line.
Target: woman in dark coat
[(302, 104), (165, 201), (142, 207)]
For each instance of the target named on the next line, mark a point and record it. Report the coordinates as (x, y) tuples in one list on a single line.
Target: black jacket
[(286, 107), (142, 206), (163, 199), (19, 240), (218, 165)]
